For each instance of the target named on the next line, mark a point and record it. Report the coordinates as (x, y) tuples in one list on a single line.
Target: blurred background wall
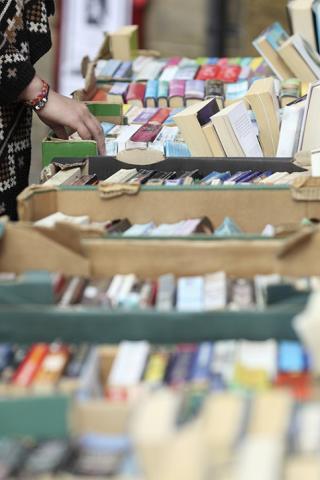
[(186, 28)]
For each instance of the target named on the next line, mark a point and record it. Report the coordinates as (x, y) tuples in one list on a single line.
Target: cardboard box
[(24, 248), (104, 167), (124, 42), (53, 147), (251, 207)]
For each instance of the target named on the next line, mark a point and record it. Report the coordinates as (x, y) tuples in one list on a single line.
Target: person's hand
[(61, 112)]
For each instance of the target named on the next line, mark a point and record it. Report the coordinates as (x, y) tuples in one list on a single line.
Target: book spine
[(177, 88), (31, 364), (136, 91)]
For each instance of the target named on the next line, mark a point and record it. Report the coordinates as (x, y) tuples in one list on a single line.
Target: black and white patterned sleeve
[(16, 69)]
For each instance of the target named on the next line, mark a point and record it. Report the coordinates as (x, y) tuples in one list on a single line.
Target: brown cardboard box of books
[(251, 208)]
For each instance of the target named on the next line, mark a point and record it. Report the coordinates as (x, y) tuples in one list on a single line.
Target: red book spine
[(161, 115), (208, 72), (136, 91), (177, 88), (30, 365), (146, 133), (229, 73)]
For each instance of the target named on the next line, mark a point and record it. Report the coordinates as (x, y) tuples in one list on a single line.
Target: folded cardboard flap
[(136, 156), (36, 196), (114, 190), (25, 248), (296, 240), (65, 234), (306, 189)]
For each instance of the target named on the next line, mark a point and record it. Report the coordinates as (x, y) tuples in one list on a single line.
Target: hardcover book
[(191, 120), (151, 94), (136, 93), (194, 92), (268, 44), (208, 72), (163, 93), (117, 94), (264, 103), (176, 93)]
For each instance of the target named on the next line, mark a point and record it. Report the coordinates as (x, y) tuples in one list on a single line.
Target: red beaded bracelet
[(40, 101)]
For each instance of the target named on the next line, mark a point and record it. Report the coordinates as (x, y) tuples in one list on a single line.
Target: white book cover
[(259, 356), (139, 230), (215, 291), (128, 366), (140, 63), (292, 117), (190, 294), (239, 119), (126, 133), (121, 176), (168, 73), (306, 140), (151, 71)]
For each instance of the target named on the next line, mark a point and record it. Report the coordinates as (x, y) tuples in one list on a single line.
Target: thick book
[(121, 377), (291, 124), (136, 93), (195, 91), (176, 93), (301, 58), (263, 101), (208, 72), (213, 140), (268, 43), (151, 94), (191, 120), (163, 93), (215, 89), (64, 177), (236, 132), (118, 92), (302, 20), (309, 136)]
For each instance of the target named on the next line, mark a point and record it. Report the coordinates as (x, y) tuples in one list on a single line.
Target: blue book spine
[(291, 357), (152, 89), (124, 71), (176, 149), (200, 371), (213, 60)]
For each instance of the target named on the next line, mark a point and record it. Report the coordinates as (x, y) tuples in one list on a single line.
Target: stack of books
[(176, 81), (167, 293), (289, 56), (241, 399), (214, 367)]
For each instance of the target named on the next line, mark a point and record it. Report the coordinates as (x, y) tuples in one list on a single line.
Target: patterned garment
[(24, 38)]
